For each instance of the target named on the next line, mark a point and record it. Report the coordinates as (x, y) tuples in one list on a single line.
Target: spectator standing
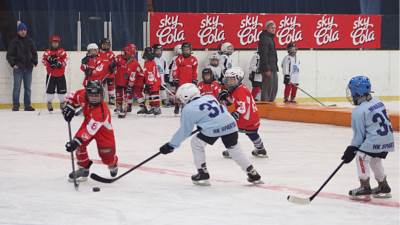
[(268, 62), (22, 57)]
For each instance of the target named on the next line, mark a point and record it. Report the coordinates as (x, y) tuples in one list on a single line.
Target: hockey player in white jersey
[(372, 139), (226, 51), (215, 66), (214, 122), (255, 76), (163, 70)]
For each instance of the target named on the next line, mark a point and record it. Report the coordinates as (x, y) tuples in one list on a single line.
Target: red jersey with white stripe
[(107, 58), (245, 105), (97, 68), (209, 89), (96, 117), (127, 71), (61, 56), (151, 75), (185, 69)]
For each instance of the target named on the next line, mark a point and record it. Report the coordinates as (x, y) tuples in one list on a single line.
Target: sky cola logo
[(170, 30), (361, 33), (209, 30), (287, 32), (326, 31), (248, 32)]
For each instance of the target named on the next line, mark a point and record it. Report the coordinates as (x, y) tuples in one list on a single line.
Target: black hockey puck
[(96, 189)]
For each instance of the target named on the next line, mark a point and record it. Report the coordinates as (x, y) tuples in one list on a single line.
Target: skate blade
[(261, 156), (382, 195), (202, 183), (257, 182), (361, 198), (78, 180)]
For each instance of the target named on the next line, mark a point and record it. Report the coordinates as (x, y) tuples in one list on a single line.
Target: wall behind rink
[(323, 73)]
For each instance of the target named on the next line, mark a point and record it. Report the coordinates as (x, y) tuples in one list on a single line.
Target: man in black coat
[(22, 57), (268, 65)]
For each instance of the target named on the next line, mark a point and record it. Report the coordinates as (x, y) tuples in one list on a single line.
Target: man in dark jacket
[(22, 56), (268, 65)]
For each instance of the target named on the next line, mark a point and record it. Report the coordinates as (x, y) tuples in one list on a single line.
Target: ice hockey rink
[(34, 168)]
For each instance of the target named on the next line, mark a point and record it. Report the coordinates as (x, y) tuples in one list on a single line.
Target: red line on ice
[(327, 195)]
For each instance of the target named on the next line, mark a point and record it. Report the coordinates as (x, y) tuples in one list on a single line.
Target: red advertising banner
[(208, 30)]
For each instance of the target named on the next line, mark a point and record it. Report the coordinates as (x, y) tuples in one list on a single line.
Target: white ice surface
[(34, 187)]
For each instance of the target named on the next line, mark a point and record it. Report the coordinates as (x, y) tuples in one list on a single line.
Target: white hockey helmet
[(178, 49), (92, 46), (213, 56), (233, 77), (187, 92), (227, 48)]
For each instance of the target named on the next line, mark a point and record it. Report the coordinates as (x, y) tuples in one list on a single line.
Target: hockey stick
[(314, 98), (306, 201), (112, 180), (76, 185), (45, 92)]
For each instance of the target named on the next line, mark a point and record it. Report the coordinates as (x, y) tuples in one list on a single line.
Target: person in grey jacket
[(22, 57), (268, 65)]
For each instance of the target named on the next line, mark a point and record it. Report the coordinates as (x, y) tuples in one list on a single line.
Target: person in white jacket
[(291, 71)]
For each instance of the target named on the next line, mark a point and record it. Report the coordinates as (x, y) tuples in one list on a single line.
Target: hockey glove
[(176, 83), (146, 89), (71, 146), (235, 115), (349, 154), (286, 79), (166, 149), (85, 60), (223, 95), (68, 112), (251, 76), (112, 66), (194, 82), (88, 72)]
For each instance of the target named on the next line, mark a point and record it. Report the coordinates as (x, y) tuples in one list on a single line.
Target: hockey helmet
[(105, 44), (227, 48), (129, 50), (178, 49), (157, 48), (148, 53), (187, 92), (94, 92), (233, 78), (207, 75), (186, 49), (359, 89)]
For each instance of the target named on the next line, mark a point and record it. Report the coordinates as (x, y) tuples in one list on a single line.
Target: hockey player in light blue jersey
[(372, 139), (214, 121)]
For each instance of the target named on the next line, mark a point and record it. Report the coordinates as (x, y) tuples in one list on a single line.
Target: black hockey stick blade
[(111, 180)]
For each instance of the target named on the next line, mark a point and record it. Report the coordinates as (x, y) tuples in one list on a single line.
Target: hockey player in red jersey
[(185, 70), (127, 70), (152, 81), (208, 86), (92, 66), (245, 110), (54, 59), (107, 57), (96, 126)]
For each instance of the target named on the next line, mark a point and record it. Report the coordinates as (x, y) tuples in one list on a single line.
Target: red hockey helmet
[(129, 49), (55, 38)]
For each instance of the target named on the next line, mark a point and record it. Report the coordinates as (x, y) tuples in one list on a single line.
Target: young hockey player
[(226, 51), (128, 69), (169, 78), (152, 81), (92, 66), (372, 139), (96, 126), (108, 59), (163, 71), (185, 70), (208, 86), (290, 69), (214, 122), (255, 76), (215, 66), (54, 59), (245, 113)]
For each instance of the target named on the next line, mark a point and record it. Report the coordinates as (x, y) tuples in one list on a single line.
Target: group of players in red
[(123, 75)]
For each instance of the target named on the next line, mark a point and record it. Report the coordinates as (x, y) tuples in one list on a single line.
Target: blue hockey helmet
[(358, 87)]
